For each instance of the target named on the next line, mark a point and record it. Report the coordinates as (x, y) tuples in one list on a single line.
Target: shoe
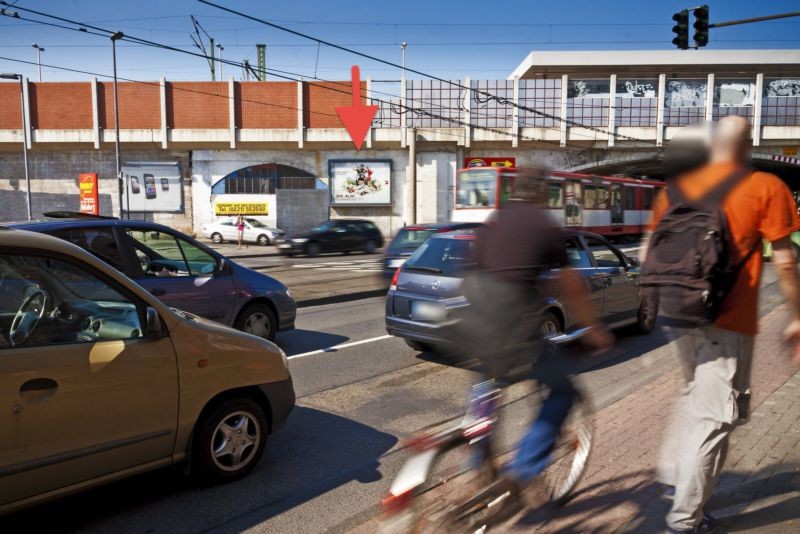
[(707, 524)]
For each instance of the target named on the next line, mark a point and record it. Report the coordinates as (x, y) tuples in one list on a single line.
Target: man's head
[(731, 140), (530, 185)]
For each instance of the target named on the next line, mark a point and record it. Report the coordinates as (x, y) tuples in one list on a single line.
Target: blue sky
[(449, 38)]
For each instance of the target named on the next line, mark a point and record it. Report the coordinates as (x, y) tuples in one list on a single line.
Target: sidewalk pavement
[(759, 490)]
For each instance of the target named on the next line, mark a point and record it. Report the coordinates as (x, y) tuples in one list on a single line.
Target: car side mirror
[(155, 328), (634, 262)]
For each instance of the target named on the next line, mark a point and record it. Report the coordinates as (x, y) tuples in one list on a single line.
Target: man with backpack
[(705, 259)]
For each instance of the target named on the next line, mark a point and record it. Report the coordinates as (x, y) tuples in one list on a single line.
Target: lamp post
[(6, 76), (39, 51), (114, 38)]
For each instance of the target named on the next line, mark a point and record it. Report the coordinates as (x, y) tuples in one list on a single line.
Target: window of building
[(264, 180)]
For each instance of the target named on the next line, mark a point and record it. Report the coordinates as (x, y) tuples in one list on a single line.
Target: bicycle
[(404, 510)]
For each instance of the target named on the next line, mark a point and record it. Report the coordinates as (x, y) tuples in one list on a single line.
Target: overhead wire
[(82, 27)]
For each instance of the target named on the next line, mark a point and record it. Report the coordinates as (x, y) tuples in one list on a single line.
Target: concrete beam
[(563, 124), (710, 98), (403, 114), (369, 101), (515, 114), (232, 111), (662, 95), (301, 129), (467, 117), (164, 129), (757, 111), (95, 114), (612, 109)]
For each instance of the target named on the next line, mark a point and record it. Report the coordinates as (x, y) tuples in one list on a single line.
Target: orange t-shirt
[(760, 207)]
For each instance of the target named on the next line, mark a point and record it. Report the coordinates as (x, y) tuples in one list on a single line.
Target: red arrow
[(358, 117)]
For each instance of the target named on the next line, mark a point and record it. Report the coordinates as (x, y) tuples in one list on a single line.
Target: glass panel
[(447, 256), (555, 195), (52, 301), (98, 241), (595, 197), (201, 263), (577, 256), (603, 255), (476, 189), (630, 198), (159, 254)]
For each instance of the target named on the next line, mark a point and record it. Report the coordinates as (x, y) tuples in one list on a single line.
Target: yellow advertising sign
[(241, 208), (790, 151)]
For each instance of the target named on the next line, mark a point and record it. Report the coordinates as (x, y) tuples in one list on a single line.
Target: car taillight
[(392, 503), (393, 284)]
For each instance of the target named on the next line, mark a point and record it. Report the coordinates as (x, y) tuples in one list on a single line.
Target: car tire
[(420, 346), (313, 249), (258, 319), (647, 313), (262, 240), (369, 247), (229, 440), (216, 237), (550, 325)]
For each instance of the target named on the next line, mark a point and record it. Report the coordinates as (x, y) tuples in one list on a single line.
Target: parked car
[(409, 238), (425, 292), (255, 231), (337, 235), (181, 271), (100, 380)]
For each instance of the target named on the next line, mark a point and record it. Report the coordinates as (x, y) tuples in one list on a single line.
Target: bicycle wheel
[(570, 456)]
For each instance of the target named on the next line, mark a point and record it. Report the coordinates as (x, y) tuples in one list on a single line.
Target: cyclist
[(504, 291)]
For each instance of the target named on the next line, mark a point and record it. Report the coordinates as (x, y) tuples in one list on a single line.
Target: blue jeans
[(535, 448)]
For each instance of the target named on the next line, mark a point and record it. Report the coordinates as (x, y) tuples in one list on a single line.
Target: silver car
[(426, 291)]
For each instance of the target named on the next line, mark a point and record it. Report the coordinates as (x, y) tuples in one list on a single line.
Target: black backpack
[(691, 258)]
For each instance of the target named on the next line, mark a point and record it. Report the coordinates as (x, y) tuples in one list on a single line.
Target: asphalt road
[(360, 393)]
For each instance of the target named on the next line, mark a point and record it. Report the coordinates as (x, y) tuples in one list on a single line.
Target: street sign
[(87, 191), (358, 117), (490, 162)]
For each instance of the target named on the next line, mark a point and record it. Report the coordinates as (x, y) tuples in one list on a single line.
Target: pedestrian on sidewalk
[(714, 326), (240, 228)]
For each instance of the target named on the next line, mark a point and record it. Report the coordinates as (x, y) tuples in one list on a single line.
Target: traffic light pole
[(754, 19)]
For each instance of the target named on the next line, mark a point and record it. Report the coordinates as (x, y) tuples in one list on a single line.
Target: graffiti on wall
[(783, 88), (601, 89), (735, 93), (685, 93)]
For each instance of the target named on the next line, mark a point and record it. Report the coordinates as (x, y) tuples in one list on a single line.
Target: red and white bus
[(605, 205)]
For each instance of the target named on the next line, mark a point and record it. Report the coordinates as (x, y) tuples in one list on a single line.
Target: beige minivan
[(99, 380)]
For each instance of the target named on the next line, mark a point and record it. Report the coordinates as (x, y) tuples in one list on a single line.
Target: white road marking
[(338, 347)]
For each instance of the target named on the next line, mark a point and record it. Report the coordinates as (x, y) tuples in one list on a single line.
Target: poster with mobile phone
[(152, 188)]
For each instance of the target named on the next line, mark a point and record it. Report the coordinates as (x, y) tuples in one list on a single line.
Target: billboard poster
[(152, 187), (225, 205), (360, 182), (87, 191), (490, 162)]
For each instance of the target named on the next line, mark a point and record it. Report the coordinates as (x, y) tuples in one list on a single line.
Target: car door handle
[(157, 292), (38, 384)]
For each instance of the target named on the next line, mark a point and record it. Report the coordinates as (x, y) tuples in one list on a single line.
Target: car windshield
[(256, 223), (327, 225), (448, 257), (411, 237), (476, 188)]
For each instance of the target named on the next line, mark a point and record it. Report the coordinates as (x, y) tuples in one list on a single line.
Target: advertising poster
[(152, 187), (361, 182), (87, 191), (490, 162), (228, 205)]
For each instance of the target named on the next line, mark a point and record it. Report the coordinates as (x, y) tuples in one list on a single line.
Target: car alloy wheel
[(258, 324), (263, 240), (235, 440), (369, 248), (313, 249), (216, 237), (549, 328)]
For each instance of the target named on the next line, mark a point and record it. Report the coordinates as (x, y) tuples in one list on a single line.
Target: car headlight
[(300, 240)]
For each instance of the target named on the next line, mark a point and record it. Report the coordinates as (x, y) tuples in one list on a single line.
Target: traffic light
[(701, 26), (681, 29)]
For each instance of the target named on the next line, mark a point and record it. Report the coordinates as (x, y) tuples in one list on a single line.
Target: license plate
[(428, 311)]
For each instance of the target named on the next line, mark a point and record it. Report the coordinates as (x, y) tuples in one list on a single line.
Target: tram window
[(630, 198), (648, 198), (555, 195), (595, 197)]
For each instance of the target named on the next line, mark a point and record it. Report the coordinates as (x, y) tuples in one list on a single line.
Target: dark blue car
[(180, 271)]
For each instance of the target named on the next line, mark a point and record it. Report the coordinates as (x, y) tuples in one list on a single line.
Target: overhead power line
[(486, 94), (400, 108)]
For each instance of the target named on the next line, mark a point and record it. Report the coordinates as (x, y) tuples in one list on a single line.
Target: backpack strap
[(733, 275), (718, 193), (674, 193)]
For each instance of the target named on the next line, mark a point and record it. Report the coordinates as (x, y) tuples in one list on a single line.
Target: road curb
[(345, 297)]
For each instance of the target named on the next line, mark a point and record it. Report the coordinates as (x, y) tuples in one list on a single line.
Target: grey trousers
[(716, 367)]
